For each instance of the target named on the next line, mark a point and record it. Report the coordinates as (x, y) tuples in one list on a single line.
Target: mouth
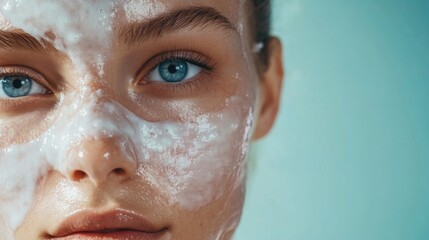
[(115, 224)]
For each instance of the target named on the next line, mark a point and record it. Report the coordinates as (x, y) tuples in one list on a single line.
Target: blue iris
[(16, 86), (173, 70)]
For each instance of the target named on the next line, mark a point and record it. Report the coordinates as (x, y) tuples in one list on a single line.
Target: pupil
[(17, 83), (172, 68)]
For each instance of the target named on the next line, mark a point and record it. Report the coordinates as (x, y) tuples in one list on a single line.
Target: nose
[(100, 160)]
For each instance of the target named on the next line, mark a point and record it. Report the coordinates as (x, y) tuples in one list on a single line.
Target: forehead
[(105, 14), (92, 26), (230, 8)]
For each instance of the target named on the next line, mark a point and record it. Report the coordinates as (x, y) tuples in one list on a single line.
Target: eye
[(15, 86), (174, 71)]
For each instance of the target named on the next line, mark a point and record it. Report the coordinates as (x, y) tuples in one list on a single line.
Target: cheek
[(18, 177), (21, 129), (207, 161)]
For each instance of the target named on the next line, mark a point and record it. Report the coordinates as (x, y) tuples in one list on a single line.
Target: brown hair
[(261, 22)]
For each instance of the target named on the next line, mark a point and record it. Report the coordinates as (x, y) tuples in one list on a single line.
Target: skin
[(97, 188)]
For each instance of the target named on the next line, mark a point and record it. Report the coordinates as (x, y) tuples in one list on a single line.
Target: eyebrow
[(133, 33), (174, 21), (18, 39)]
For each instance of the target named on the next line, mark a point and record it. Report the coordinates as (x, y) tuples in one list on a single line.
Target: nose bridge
[(101, 148), (97, 116)]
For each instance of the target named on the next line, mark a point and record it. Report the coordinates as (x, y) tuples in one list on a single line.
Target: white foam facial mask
[(191, 153), (135, 10)]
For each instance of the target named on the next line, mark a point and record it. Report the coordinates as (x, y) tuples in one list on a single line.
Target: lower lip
[(129, 235)]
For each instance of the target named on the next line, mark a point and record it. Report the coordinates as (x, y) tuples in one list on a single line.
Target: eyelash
[(12, 71), (15, 71), (208, 67), (191, 57)]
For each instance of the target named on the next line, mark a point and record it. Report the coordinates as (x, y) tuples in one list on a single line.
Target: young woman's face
[(134, 121)]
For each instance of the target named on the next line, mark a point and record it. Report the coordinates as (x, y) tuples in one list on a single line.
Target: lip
[(114, 224)]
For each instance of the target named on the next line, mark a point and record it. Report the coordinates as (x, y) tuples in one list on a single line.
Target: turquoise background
[(349, 155)]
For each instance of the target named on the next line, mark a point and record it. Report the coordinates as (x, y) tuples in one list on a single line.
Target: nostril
[(119, 171), (78, 175)]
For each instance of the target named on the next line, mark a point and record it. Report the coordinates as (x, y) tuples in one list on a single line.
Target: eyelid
[(190, 56), (27, 72)]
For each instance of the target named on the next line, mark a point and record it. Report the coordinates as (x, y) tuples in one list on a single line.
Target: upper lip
[(113, 220)]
